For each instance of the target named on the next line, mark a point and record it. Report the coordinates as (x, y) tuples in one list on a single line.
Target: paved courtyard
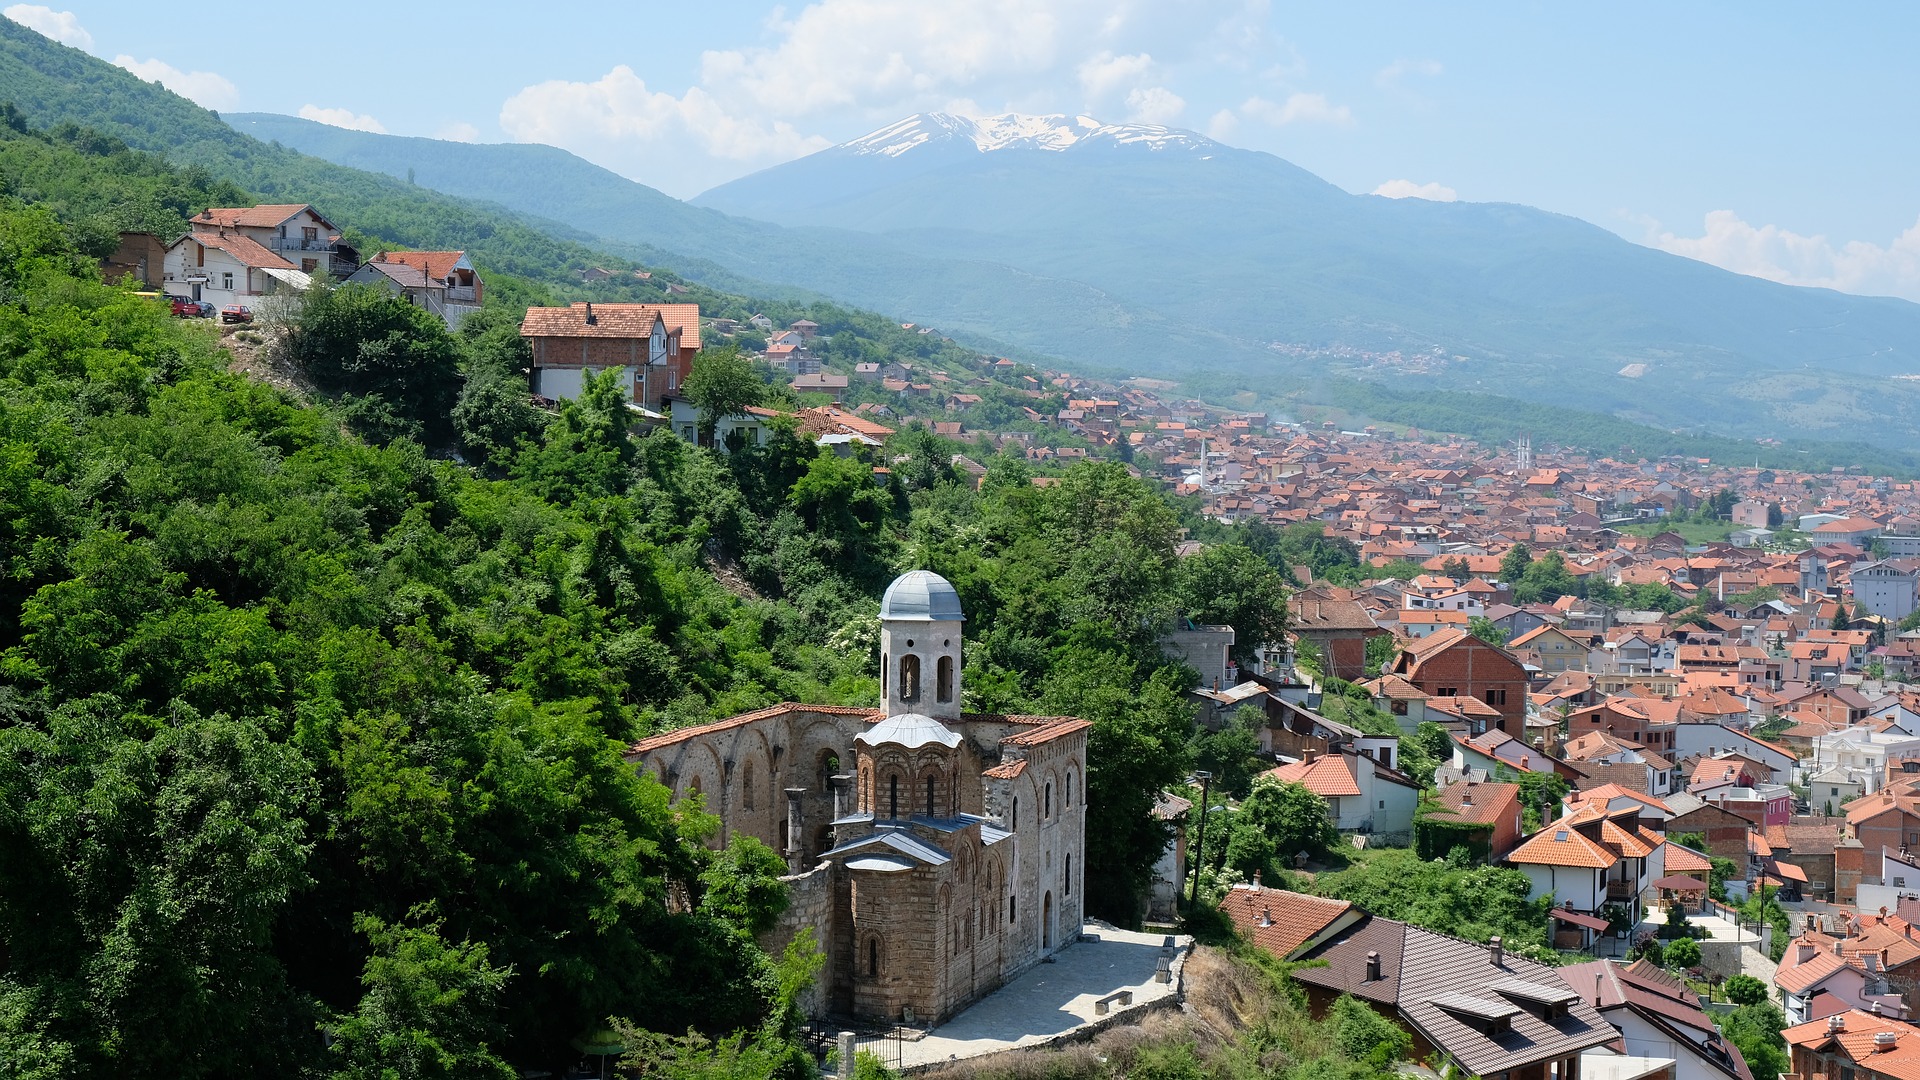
[(1050, 999)]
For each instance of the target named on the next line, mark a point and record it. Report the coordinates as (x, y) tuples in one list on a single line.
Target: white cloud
[(1389, 77), (1103, 74), (62, 26), (1407, 189), (1154, 105), (1223, 125), (1296, 109), (867, 54), (458, 131), (204, 87), (342, 118), (620, 121), (1778, 254)]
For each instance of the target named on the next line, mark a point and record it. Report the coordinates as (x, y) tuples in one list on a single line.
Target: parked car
[(233, 313), (183, 308), (206, 308)]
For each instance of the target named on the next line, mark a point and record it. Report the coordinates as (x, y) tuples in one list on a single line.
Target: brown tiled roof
[(434, 264), (609, 321), (243, 249), (1328, 776), (1425, 973), (1491, 802), (1006, 770), (1277, 920), (1060, 727), (1312, 613), (264, 216), (1856, 1040)]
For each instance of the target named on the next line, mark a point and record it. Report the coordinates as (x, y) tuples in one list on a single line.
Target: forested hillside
[(308, 734)]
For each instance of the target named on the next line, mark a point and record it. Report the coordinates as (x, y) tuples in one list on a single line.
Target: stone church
[(935, 853)]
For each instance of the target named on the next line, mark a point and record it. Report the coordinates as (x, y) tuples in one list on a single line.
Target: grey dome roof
[(911, 730), (922, 595)]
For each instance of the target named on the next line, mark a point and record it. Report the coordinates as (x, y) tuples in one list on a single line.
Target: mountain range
[(1121, 249), (1151, 251)]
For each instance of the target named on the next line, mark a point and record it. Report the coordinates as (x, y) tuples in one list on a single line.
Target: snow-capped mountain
[(1015, 131)]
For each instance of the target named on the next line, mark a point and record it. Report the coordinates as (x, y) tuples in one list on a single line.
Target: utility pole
[(1200, 845)]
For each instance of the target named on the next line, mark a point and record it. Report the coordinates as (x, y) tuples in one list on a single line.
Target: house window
[(226, 280), (1496, 697), (310, 234), (1447, 691), (943, 679), (1399, 708), (1383, 804)]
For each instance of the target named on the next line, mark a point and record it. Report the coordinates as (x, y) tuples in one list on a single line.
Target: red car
[(233, 313), (183, 308)]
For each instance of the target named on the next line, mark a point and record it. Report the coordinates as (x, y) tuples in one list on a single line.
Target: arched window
[(910, 678), (884, 665), (746, 788), (929, 796), (1016, 813), (1013, 911), (1067, 889), (943, 679), (1046, 806), (893, 795), (1069, 791), (695, 787), (873, 958)]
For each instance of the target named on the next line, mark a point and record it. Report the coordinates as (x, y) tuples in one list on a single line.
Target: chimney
[(1373, 967), (592, 320), (1266, 916), (1803, 951), (1836, 1023), (1809, 922), (1307, 758), (1466, 799), (1883, 1041), (1498, 950)]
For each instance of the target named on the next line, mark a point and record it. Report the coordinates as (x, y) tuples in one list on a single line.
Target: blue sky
[(1761, 137)]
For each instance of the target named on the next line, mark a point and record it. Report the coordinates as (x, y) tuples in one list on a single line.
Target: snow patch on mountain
[(1015, 131)]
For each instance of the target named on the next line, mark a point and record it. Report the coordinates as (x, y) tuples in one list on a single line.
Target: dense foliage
[(1457, 898)]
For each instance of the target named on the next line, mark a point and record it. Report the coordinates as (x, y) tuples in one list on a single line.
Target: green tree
[(394, 365), (1683, 954), (1514, 564), (1229, 584), (1294, 818), (427, 1011), (1365, 1036), (1745, 990), (1483, 628), (1546, 579), (1457, 569), (1756, 1029), (722, 383), (1232, 753)]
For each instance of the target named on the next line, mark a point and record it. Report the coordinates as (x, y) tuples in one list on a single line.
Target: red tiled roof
[(264, 216), (1277, 920), (241, 248), (1327, 776), (609, 321), (435, 264)]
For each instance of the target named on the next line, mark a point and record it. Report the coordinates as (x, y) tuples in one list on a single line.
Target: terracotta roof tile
[(609, 321), (1277, 920)]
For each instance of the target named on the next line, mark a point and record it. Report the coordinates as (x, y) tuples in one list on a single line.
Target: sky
[(1769, 139)]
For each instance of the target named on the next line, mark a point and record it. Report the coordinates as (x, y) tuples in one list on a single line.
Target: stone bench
[(1122, 998)]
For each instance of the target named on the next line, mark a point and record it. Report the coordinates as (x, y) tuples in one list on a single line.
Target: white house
[(227, 268), (1861, 754), (1363, 795), (293, 231), (443, 282), (1592, 857), (1886, 588)]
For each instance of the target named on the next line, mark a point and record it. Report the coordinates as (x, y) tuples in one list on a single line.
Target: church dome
[(911, 730), (921, 595)]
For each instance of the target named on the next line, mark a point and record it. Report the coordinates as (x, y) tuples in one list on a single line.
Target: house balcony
[(298, 243), (1621, 890), (463, 294)]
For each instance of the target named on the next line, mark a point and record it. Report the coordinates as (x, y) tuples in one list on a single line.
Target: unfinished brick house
[(935, 854), (1454, 663), (651, 345)]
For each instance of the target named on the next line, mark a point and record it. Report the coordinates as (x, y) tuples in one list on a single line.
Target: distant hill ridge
[(1233, 270)]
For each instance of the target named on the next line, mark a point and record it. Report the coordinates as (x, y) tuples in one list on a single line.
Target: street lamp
[(1200, 845)]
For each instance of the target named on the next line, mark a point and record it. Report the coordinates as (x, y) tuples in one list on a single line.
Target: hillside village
[(1705, 665)]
